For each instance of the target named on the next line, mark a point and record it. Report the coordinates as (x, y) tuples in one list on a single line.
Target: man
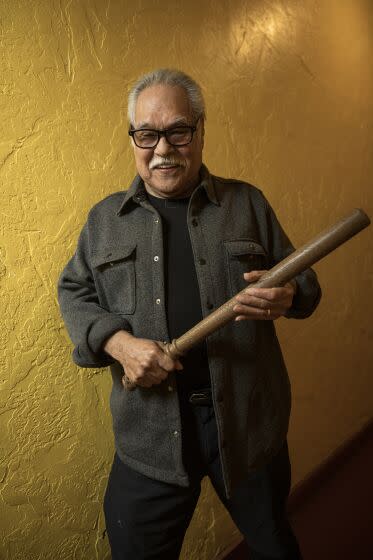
[(150, 263)]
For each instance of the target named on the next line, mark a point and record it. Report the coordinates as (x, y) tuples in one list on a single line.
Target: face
[(167, 171)]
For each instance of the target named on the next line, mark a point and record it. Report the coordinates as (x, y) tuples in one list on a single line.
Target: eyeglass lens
[(175, 136)]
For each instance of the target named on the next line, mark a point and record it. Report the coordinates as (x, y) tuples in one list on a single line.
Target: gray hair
[(168, 77)]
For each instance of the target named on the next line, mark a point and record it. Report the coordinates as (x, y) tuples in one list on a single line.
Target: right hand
[(144, 361)]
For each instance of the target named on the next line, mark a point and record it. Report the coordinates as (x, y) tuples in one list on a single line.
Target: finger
[(250, 312), (150, 379), (165, 361), (271, 295), (146, 383), (260, 315), (257, 302), (240, 318), (248, 304), (145, 378), (136, 381), (157, 374), (292, 284), (127, 382), (147, 371), (254, 275), (252, 301)]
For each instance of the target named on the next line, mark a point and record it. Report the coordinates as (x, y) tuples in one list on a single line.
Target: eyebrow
[(176, 122)]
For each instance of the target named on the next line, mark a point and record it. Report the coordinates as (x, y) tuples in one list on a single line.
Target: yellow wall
[(289, 90)]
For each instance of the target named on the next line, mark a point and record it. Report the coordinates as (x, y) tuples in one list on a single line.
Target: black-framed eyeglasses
[(176, 136)]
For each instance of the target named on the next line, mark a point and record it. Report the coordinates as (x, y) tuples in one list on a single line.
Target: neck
[(185, 193)]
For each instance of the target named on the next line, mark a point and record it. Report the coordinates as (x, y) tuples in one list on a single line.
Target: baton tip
[(365, 220)]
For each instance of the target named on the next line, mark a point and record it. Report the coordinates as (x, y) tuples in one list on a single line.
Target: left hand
[(263, 303)]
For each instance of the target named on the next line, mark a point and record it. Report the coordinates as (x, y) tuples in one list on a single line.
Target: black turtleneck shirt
[(183, 303)]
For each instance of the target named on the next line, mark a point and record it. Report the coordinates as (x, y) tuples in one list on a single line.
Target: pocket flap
[(240, 247), (112, 254)]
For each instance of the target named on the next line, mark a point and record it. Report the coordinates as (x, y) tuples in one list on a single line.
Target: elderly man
[(150, 263)]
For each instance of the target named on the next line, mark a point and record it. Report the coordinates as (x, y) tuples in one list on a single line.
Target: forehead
[(162, 105)]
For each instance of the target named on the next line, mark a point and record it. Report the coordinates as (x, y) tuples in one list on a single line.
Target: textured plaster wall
[(289, 90)]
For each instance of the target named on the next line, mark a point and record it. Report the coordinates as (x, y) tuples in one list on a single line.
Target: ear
[(131, 127), (203, 133)]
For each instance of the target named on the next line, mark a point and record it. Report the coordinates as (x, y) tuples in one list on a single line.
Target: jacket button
[(202, 261), (176, 433), (157, 301), (209, 305), (194, 222), (156, 258)]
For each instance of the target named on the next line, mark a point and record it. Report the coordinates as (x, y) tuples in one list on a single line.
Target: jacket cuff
[(89, 360), (103, 328), (306, 299), (92, 354)]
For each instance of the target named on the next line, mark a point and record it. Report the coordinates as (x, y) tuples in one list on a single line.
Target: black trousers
[(147, 519)]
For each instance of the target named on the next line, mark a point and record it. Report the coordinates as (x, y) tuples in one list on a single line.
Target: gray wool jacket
[(113, 282)]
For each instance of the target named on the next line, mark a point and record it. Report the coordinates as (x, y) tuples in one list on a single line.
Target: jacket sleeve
[(308, 292), (87, 323)]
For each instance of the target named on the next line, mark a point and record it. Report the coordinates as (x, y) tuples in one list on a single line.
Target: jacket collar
[(208, 184), (137, 192)]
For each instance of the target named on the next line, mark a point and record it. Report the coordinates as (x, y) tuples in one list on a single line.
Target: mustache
[(157, 161)]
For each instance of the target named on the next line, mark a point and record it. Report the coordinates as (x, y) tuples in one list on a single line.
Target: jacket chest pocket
[(115, 275), (243, 255)]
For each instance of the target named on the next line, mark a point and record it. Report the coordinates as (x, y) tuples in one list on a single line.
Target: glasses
[(148, 138)]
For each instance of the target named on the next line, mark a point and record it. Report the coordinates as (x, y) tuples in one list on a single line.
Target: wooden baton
[(297, 262)]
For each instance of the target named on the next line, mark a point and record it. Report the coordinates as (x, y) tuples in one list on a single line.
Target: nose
[(163, 147)]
